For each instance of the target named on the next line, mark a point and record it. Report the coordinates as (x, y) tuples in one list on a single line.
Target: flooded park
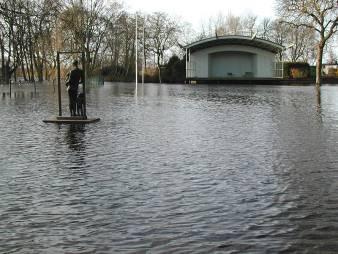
[(170, 169)]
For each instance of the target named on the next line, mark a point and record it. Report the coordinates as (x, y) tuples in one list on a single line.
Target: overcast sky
[(198, 11)]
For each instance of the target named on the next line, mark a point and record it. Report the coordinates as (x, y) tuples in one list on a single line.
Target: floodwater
[(175, 169)]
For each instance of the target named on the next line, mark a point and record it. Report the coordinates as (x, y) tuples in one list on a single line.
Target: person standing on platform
[(75, 77)]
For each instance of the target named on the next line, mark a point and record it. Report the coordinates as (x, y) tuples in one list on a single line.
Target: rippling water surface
[(175, 169)]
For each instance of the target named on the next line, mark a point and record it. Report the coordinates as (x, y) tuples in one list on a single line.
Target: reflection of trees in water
[(20, 95), (319, 103), (318, 97)]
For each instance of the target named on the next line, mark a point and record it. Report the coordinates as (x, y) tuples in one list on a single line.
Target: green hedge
[(174, 70), (296, 70), (312, 71)]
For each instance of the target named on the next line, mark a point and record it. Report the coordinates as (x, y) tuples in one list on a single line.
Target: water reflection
[(180, 169), (75, 137), (318, 99), (20, 95)]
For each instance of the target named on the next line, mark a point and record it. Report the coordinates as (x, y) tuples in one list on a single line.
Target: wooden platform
[(71, 120)]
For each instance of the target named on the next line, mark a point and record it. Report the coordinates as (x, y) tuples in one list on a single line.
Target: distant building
[(330, 69), (233, 57)]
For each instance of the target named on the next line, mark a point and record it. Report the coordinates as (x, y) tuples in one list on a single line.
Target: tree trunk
[(38, 63), (319, 59), (31, 66), (23, 71), (47, 77), (159, 74), (22, 60), (31, 59), (27, 67), (159, 68), (3, 65)]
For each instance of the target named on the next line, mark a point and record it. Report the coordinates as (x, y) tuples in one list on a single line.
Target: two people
[(76, 101)]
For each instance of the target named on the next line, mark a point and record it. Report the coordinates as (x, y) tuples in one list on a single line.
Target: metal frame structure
[(83, 61)]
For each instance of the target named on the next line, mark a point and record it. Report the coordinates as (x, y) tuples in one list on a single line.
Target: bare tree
[(9, 11), (233, 24), (85, 25), (220, 25), (321, 16), (27, 27), (279, 34), (331, 54), (163, 34), (265, 28), (300, 40), (249, 24), (31, 31)]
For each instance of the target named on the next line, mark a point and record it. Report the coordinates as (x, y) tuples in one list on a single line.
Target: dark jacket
[(75, 78)]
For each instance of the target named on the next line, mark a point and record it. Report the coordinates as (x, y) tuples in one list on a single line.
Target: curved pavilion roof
[(235, 40)]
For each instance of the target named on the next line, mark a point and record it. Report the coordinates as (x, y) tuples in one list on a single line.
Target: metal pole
[(10, 88), (59, 82), (282, 58), (144, 51), (84, 85), (136, 54), (186, 63), (190, 67)]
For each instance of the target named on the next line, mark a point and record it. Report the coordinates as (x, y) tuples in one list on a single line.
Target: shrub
[(312, 71), (332, 72), (174, 71), (296, 70)]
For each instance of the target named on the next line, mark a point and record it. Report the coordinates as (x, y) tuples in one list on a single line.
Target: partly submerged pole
[(84, 76), (59, 81), (186, 63), (136, 49), (10, 88)]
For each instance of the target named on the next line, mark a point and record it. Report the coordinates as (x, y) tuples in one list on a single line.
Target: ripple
[(177, 169)]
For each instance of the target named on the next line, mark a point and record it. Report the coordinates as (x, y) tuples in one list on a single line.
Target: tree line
[(32, 31)]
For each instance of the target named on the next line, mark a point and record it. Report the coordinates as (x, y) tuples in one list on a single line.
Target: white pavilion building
[(232, 57)]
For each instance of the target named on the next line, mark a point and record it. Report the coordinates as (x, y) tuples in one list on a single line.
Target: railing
[(278, 71), (190, 70), (252, 34)]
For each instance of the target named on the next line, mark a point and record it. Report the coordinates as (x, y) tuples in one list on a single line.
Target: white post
[(186, 63), (282, 66), (190, 67), (144, 50), (136, 51)]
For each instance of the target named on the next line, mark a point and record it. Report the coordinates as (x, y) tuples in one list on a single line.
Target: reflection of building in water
[(233, 57)]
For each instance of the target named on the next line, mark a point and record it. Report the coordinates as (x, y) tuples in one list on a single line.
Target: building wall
[(231, 64), (329, 68), (236, 59)]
